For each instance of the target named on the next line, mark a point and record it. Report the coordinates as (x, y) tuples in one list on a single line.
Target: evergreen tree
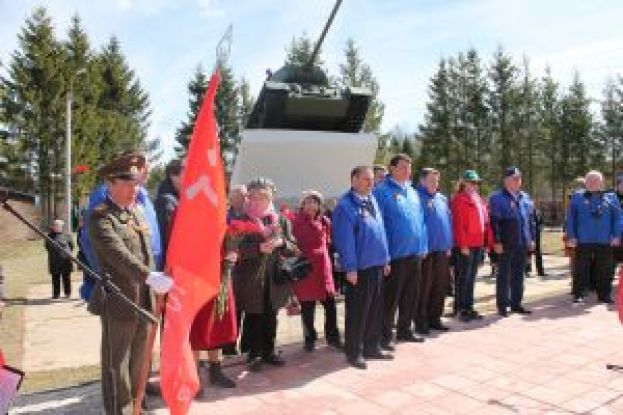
[(227, 107), (502, 101), (525, 124), (123, 104), (549, 144), (612, 127), (246, 101), (435, 132), (579, 147), (84, 79), (196, 90), (300, 50), (34, 102), (355, 72), (227, 110)]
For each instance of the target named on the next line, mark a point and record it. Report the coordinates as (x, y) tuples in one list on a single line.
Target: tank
[(299, 97)]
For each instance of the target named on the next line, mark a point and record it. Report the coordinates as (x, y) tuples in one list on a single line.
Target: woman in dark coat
[(59, 263), (312, 231), (257, 293)]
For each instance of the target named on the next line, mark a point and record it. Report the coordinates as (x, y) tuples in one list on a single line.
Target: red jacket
[(312, 237), (466, 226)]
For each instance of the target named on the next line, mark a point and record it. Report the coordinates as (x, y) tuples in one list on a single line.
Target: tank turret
[(301, 97)]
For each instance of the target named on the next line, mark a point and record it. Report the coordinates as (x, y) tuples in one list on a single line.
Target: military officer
[(120, 238)]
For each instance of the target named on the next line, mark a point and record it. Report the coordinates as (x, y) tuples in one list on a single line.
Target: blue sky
[(402, 40)]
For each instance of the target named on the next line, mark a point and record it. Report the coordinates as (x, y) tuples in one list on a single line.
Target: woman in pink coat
[(312, 231)]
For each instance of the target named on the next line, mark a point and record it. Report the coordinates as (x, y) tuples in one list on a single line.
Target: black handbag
[(292, 269)]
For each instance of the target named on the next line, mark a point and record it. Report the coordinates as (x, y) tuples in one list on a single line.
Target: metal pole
[(68, 162)]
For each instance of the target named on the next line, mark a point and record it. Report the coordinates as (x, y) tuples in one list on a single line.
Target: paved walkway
[(550, 362)]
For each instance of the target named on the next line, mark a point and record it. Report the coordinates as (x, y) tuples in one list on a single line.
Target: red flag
[(193, 255)]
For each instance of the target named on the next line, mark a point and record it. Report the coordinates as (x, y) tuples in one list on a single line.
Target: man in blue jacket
[(359, 238), (98, 196), (408, 243), (593, 228), (513, 236), (436, 265)]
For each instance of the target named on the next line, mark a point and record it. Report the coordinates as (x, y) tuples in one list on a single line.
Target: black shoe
[(358, 362), (336, 343), (521, 310), (503, 313), (254, 364), (422, 329), (474, 315), (388, 347), (410, 338), (152, 389), (465, 316), (230, 350), (309, 346), (578, 300), (606, 300), (378, 355), (274, 360), (438, 326), (218, 378)]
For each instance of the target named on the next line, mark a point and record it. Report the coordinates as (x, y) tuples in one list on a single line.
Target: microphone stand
[(108, 287)]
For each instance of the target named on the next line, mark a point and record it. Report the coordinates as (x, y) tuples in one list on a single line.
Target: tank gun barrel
[(324, 33)]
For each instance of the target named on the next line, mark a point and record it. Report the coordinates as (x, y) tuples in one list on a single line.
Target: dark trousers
[(436, 270), (467, 269), (122, 353), (308, 311), (260, 330), (363, 313), (56, 284), (600, 256), (399, 289), (510, 278)]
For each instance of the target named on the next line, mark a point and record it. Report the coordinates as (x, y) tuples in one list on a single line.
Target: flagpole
[(146, 363)]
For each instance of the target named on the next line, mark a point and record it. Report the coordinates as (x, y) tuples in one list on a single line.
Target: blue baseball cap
[(511, 171)]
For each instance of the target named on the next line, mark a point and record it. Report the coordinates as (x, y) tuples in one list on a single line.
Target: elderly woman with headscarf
[(313, 232), (258, 290)]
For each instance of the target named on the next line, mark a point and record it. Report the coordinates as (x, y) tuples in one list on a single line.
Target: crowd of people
[(394, 248)]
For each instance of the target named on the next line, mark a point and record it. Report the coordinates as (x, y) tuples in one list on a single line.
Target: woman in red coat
[(312, 231), (470, 226)]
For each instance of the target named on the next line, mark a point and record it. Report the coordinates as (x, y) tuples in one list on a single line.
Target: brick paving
[(551, 362)]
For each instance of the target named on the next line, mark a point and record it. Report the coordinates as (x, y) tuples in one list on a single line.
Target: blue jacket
[(437, 218), (358, 236), (99, 195), (593, 218), (511, 219), (404, 218)]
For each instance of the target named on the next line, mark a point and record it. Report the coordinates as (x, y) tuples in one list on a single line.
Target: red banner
[(193, 255)]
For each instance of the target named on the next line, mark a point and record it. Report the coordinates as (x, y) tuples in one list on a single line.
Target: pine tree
[(35, 90), (549, 144), (300, 50), (525, 124), (227, 107), (196, 90), (123, 104), (612, 126), (227, 111), (355, 72), (502, 100), (436, 131), (579, 148), (84, 79), (246, 101)]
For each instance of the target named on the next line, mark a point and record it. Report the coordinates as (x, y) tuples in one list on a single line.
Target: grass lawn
[(25, 264)]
